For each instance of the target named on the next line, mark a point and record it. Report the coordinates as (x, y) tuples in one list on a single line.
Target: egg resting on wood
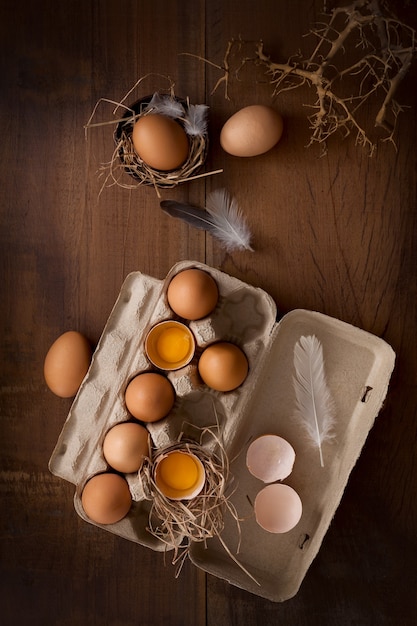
[(252, 131), (66, 363)]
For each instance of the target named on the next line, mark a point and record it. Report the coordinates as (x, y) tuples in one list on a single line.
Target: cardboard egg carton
[(244, 315), (358, 367)]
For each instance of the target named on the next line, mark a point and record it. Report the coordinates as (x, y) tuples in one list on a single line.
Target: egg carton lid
[(358, 368)]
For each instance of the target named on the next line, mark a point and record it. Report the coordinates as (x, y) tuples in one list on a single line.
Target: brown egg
[(125, 446), (223, 366), (66, 363), (149, 397), (251, 131), (106, 498), (160, 141), (192, 294)]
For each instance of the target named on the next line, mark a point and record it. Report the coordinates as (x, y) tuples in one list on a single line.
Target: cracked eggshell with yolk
[(179, 475)]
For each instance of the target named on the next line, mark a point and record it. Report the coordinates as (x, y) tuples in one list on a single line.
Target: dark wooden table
[(333, 232)]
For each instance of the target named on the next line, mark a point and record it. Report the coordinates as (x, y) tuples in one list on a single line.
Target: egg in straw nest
[(180, 522), (160, 140)]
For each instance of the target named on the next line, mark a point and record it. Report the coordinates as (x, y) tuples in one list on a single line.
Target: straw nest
[(178, 524), (125, 160), (133, 165)]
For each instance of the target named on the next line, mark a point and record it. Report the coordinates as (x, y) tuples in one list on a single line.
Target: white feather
[(231, 227), (196, 120), (314, 403), (165, 105)]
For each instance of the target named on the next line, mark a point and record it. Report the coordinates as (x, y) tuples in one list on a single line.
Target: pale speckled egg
[(125, 446), (192, 294), (252, 131), (223, 366), (66, 363), (160, 141), (278, 508), (149, 396), (106, 498), (270, 458)]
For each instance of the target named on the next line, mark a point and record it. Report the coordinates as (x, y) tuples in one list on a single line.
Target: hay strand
[(178, 524)]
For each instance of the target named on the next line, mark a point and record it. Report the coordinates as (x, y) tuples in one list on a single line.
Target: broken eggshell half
[(270, 458), (278, 508)]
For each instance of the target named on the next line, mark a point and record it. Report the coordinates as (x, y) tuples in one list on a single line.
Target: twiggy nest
[(126, 158)]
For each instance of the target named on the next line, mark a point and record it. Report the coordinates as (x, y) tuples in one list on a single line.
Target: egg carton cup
[(358, 367)]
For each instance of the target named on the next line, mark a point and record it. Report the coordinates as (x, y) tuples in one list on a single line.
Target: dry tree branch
[(226, 66), (386, 49), (361, 56)]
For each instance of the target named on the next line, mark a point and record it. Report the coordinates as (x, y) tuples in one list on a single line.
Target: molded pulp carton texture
[(358, 368)]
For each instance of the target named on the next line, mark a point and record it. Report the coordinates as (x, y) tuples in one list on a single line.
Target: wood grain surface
[(334, 233)]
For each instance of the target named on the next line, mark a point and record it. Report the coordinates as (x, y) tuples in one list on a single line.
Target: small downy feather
[(314, 403), (222, 218), (165, 105), (195, 122)]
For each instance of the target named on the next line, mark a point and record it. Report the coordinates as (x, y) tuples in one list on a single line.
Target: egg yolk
[(179, 471), (173, 345)]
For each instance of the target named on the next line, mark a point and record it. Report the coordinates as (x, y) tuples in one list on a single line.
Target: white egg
[(270, 458), (278, 508)]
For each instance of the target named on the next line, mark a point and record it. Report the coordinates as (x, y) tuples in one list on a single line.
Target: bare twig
[(361, 56)]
